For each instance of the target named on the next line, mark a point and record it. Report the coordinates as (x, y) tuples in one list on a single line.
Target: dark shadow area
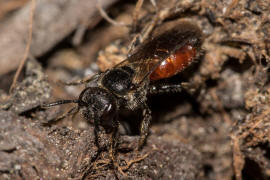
[(252, 170), (236, 66)]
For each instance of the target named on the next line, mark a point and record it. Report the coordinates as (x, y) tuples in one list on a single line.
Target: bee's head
[(98, 105)]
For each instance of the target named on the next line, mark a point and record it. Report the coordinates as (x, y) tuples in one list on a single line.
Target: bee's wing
[(148, 56)]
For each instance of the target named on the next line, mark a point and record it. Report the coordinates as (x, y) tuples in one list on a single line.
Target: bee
[(127, 85)]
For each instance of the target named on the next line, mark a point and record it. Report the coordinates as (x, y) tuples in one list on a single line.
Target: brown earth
[(216, 128)]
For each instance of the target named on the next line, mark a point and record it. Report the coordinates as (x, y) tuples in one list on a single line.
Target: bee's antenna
[(56, 103), (73, 111)]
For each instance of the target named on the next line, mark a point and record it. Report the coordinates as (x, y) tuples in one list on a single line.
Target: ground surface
[(216, 128)]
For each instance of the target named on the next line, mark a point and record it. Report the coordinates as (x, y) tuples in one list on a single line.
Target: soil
[(216, 128)]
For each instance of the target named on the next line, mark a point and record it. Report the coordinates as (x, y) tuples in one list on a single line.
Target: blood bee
[(127, 85)]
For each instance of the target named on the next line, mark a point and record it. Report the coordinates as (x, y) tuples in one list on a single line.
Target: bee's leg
[(96, 119), (96, 131), (113, 139), (144, 129), (112, 148), (164, 88)]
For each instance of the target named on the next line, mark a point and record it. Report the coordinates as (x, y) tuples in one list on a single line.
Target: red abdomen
[(174, 63)]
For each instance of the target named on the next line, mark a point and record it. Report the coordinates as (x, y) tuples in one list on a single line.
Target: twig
[(136, 13), (107, 18), (26, 53)]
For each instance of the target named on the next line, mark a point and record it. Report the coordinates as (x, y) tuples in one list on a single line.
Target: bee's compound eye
[(117, 81)]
